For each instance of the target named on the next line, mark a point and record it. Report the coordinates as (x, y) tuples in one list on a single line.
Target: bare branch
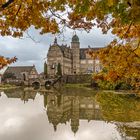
[(7, 4), (127, 29), (17, 12), (32, 38)]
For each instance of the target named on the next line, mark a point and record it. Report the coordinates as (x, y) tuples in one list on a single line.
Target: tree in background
[(59, 70), (45, 69)]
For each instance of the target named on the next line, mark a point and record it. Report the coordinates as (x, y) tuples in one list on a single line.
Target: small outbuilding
[(19, 74)]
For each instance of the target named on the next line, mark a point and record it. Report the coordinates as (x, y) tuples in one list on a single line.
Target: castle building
[(73, 59)]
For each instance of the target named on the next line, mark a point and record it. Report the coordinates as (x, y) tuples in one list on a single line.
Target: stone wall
[(77, 79)]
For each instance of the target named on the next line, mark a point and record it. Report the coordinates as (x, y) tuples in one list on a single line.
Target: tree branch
[(131, 23), (17, 12), (32, 38), (7, 4), (63, 21)]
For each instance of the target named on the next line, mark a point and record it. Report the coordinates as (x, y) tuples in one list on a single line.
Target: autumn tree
[(122, 17), (5, 61)]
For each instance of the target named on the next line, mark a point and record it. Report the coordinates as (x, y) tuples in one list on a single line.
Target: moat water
[(68, 114)]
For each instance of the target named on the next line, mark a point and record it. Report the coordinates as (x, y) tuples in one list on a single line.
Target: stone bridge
[(42, 82)]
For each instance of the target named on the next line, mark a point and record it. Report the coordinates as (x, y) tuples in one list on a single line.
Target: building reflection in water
[(71, 108), (21, 94), (62, 108)]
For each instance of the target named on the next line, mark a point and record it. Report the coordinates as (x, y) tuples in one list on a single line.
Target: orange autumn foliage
[(5, 61)]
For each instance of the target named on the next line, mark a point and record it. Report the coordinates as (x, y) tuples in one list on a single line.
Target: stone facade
[(20, 74), (73, 59)]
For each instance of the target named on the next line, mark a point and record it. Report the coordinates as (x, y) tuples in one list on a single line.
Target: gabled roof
[(16, 69), (64, 49), (83, 51)]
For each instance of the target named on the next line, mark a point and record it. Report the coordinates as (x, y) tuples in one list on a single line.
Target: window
[(83, 106), (58, 58), (89, 70), (90, 106), (97, 61), (90, 61), (97, 69), (83, 61), (53, 66)]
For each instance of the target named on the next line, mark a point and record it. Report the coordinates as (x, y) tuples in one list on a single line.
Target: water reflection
[(86, 114), (64, 108), (21, 94)]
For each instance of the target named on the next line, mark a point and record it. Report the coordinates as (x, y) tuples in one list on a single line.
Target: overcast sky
[(29, 52)]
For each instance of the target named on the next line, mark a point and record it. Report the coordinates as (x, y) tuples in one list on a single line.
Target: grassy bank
[(86, 85)]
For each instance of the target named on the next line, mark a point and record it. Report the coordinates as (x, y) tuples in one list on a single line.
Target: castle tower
[(75, 46), (75, 115)]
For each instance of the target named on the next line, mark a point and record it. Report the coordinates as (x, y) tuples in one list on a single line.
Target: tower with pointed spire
[(75, 46), (75, 115), (55, 41)]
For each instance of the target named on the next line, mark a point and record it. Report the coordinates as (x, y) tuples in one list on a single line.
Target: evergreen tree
[(45, 69), (59, 70)]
